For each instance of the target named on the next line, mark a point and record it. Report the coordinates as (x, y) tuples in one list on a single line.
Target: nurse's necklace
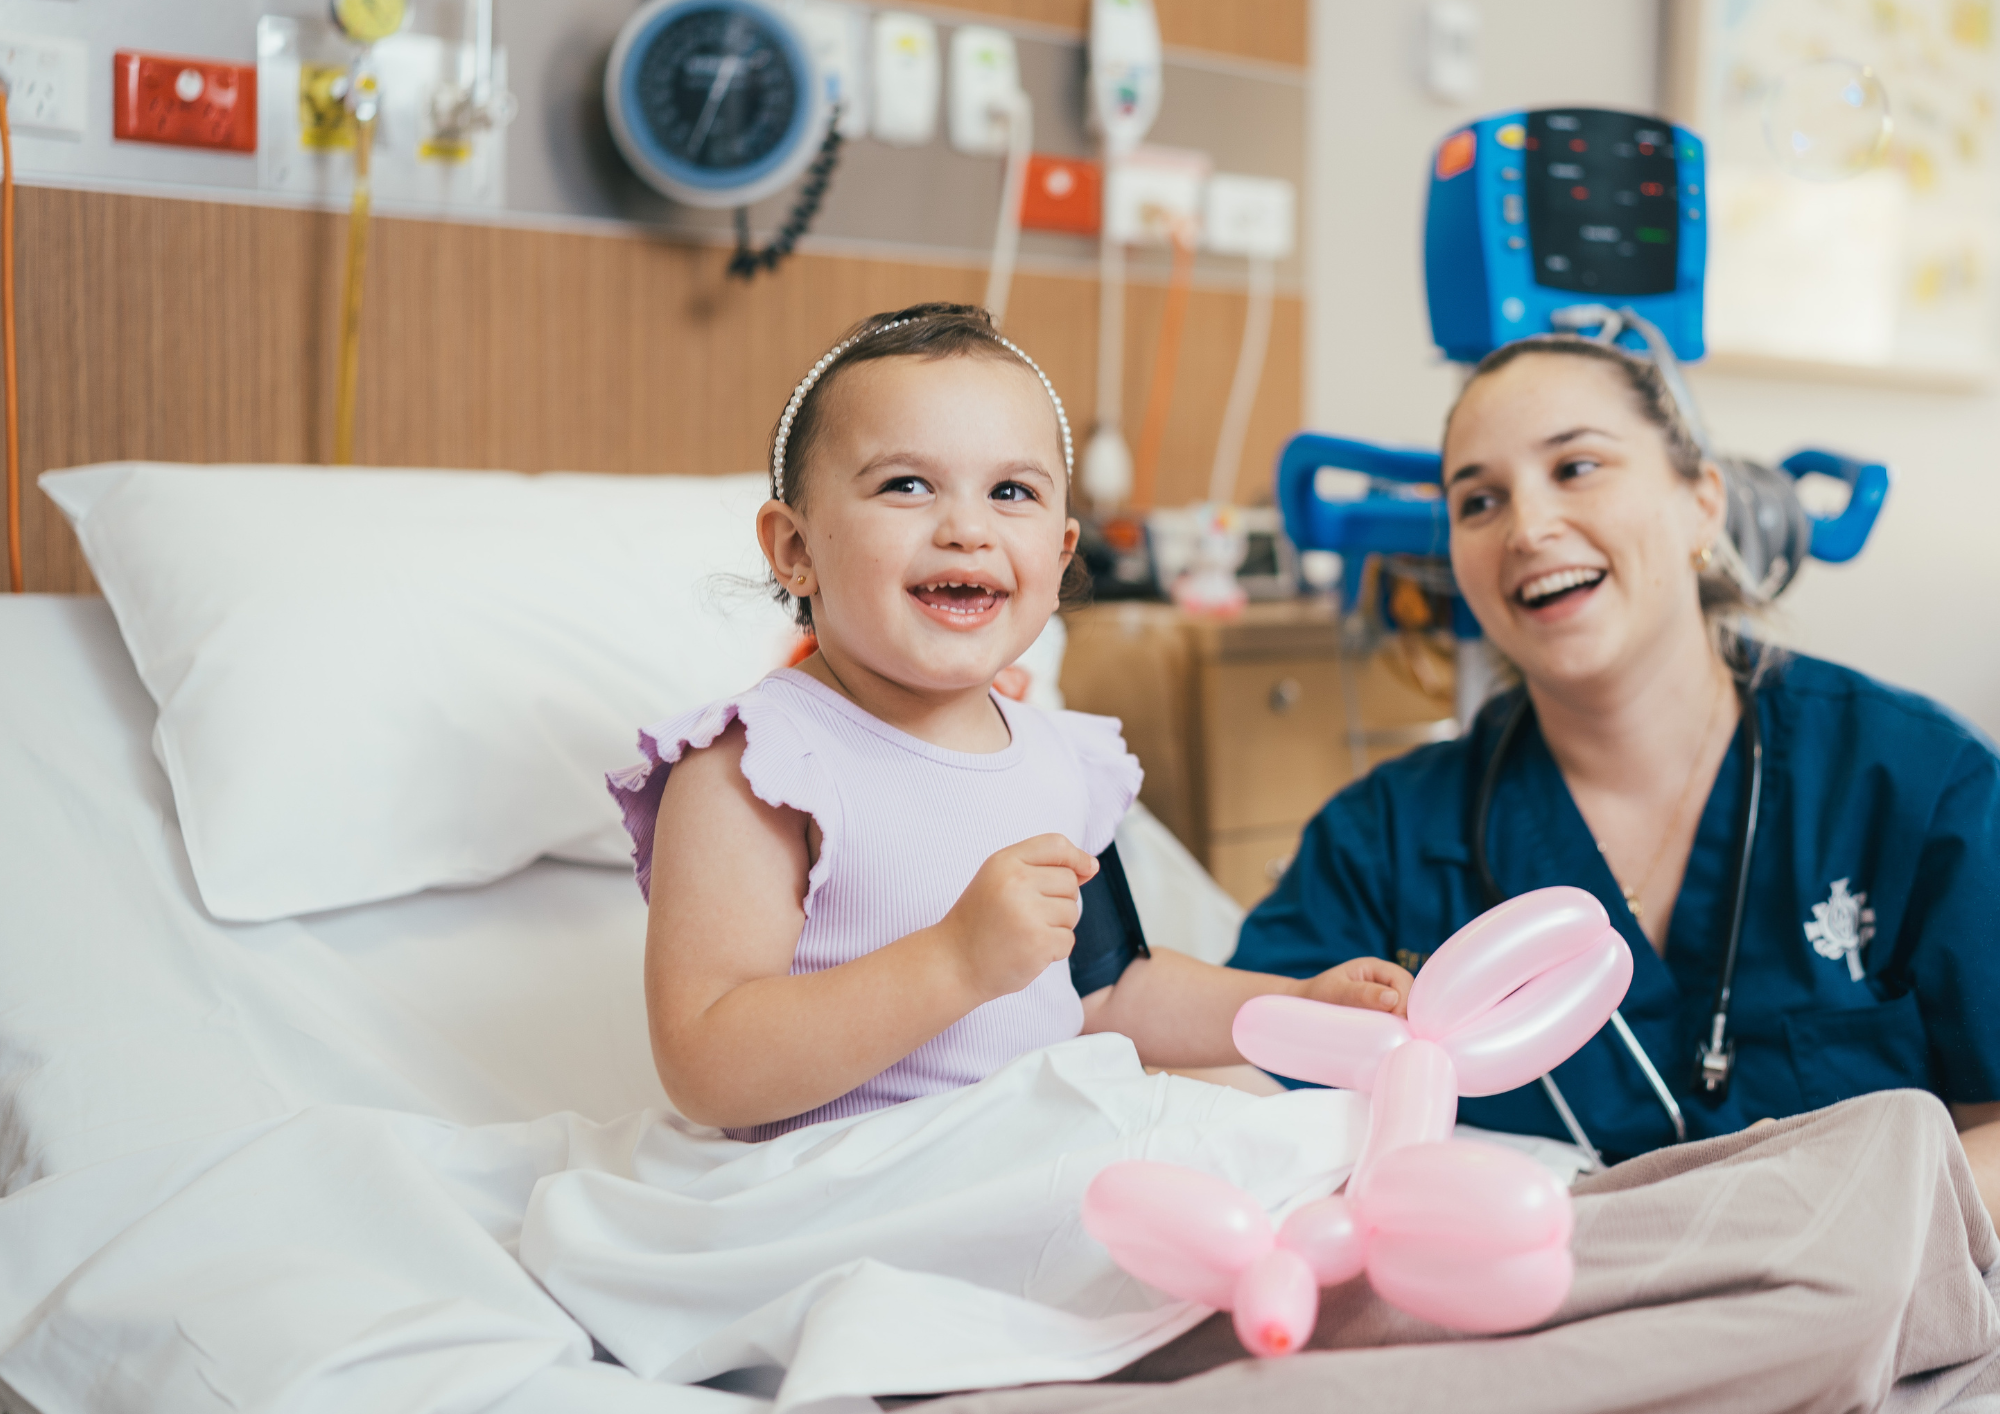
[(1633, 892)]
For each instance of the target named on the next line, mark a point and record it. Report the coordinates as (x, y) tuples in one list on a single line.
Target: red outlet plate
[(184, 102), (1062, 194)]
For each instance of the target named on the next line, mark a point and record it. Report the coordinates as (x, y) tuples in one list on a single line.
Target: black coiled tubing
[(748, 261)]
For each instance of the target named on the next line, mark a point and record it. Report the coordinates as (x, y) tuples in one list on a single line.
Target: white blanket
[(348, 1258), (288, 1165)]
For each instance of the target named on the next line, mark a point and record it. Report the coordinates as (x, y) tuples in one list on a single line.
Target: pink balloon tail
[(1329, 1045), (1276, 1304)]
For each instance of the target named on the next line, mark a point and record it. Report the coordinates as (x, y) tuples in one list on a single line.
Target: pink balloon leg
[(1482, 1295), (1469, 1197), (1186, 1232)]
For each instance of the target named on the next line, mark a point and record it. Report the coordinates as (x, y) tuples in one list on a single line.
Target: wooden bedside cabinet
[(1246, 728)]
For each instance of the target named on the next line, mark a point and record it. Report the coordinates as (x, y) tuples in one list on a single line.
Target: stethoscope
[(1715, 1057)]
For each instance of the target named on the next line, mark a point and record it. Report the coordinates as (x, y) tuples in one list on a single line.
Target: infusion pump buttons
[(1603, 202)]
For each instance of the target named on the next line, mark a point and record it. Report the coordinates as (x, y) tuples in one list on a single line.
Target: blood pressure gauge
[(714, 102), (366, 21)]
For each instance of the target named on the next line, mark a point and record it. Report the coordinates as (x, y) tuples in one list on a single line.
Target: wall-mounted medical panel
[(1234, 88)]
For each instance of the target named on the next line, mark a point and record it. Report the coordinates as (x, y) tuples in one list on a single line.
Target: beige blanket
[(1832, 1261)]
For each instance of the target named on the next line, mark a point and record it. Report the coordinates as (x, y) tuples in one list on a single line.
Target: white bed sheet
[(295, 1109)]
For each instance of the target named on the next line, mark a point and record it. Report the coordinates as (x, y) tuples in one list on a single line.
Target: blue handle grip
[(1840, 538), (1370, 525)]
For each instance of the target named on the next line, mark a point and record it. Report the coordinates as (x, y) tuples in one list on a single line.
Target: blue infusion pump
[(1539, 211)]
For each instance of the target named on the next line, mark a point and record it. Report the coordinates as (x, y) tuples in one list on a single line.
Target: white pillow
[(373, 682)]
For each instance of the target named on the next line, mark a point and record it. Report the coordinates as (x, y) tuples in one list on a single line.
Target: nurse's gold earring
[(1700, 558), (799, 578)]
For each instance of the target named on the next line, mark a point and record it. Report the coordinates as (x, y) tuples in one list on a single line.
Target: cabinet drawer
[(1275, 739), (1249, 865)]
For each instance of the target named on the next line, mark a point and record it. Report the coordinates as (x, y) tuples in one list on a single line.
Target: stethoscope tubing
[(1719, 1018)]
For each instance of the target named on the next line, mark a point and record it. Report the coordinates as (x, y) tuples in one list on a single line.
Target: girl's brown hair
[(927, 331)]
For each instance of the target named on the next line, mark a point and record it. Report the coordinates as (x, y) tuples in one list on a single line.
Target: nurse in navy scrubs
[(1586, 535)]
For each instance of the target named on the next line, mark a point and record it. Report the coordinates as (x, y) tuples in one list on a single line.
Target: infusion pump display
[(1532, 213), (1603, 194)]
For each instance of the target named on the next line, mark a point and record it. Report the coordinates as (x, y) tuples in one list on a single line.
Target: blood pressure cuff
[(1108, 935)]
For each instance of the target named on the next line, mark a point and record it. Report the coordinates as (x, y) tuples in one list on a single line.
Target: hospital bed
[(293, 1162)]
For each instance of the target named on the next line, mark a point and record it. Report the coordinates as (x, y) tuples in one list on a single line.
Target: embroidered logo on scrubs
[(1842, 926)]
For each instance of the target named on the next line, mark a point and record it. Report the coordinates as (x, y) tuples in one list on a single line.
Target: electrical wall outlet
[(1250, 216), (1153, 192), (46, 86), (985, 86), (183, 102), (907, 78), (837, 34), (1451, 51)]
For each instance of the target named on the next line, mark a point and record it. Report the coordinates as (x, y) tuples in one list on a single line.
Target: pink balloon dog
[(1470, 1236)]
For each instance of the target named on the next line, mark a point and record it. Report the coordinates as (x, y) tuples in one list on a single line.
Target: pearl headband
[(832, 355)]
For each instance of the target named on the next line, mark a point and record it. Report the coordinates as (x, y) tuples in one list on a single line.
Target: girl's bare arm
[(1178, 1010), (737, 1039)]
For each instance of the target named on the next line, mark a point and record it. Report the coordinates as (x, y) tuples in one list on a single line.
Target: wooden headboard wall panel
[(1271, 30), (204, 332)]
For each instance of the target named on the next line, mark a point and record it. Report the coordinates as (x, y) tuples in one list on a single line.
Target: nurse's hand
[(1367, 982)]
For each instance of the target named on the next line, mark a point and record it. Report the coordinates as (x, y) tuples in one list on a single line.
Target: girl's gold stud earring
[(1701, 557)]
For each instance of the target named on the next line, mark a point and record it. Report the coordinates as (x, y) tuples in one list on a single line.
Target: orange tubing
[(7, 349), (1160, 397)]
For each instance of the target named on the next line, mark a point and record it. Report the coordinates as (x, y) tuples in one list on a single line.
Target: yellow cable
[(357, 266)]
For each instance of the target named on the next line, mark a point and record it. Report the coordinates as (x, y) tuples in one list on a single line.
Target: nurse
[(1587, 537)]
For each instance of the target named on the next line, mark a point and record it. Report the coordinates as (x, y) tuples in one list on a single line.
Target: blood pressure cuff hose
[(1108, 935)]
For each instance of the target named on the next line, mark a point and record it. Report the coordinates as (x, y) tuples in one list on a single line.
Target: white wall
[(1920, 607)]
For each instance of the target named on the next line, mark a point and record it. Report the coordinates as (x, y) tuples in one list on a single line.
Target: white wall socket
[(1251, 216), (838, 36), (46, 85), (1151, 191), (907, 74), (985, 84), (1451, 50)]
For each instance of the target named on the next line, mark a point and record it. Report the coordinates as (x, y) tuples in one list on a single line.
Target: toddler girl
[(864, 872)]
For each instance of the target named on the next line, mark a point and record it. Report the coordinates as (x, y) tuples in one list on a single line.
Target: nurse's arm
[(1979, 1132)]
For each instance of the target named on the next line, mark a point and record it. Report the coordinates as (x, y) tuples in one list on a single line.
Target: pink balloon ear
[(1188, 1233), (1499, 951), (1544, 1023), (1276, 1304), (1329, 1045)]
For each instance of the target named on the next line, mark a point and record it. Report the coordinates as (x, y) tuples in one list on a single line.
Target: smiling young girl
[(864, 873)]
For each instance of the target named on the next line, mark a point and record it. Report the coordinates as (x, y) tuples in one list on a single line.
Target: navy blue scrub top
[(1880, 829)]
